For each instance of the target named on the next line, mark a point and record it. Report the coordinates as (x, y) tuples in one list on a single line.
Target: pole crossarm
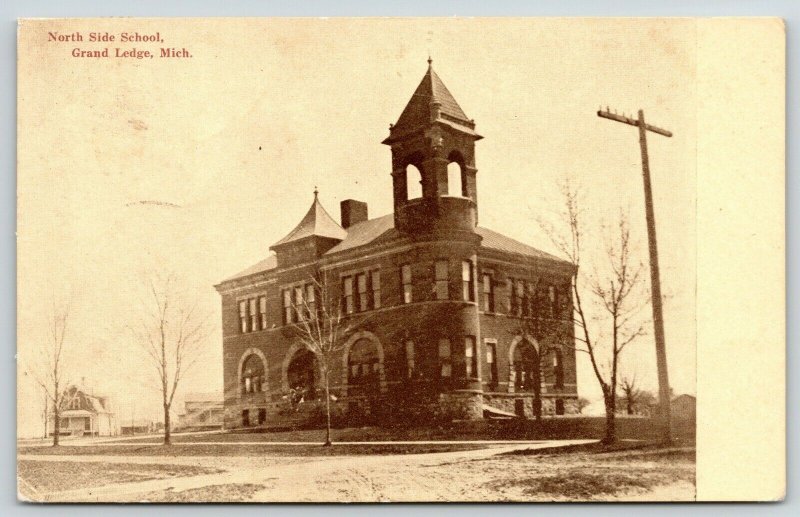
[(632, 122)]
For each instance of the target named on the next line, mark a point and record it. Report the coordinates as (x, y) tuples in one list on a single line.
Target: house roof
[(417, 112), (381, 230), (316, 223), (203, 397)]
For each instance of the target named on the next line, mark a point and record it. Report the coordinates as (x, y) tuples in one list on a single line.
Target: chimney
[(353, 212)]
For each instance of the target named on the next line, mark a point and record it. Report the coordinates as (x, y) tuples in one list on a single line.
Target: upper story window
[(522, 297), (468, 281), (552, 297), (253, 314), (243, 316), (348, 302), (262, 311), (363, 298), (311, 301), (405, 277), (442, 285), (299, 303), (487, 287), (288, 310), (375, 277)]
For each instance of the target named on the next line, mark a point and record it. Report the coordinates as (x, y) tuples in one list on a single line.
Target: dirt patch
[(226, 493), (37, 477)]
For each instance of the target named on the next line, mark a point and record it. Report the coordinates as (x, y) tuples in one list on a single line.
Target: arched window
[(526, 367), (558, 367), (253, 380), (301, 374), (363, 366), (413, 182), (455, 186)]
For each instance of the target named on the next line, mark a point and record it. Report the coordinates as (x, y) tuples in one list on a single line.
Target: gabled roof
[(381, 230), (271, 262), (316, 223), (418, 110)]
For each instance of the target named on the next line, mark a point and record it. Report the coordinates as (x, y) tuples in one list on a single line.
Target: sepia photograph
[(358, 260)]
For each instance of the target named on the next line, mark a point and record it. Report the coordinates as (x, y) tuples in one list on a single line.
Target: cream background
[(98, 136)]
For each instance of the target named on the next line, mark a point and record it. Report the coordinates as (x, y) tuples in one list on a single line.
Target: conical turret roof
[(316, 223), (419, 112)]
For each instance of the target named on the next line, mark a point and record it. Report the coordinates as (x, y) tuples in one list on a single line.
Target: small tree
[(322, 327), (583, 403), (170, 331), (48, 368), (617, 292)]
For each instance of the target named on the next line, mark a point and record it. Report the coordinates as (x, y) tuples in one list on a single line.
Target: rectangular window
[(299, 303), (471, 355), (491, 360), (245, 417), (529, 299), (376, 289), (262, 309), (552, 294), (253, 315), (348, 304), (361, 283), (262, 416), (444, 358), (243, 315), (405, 276), (409, 359), (311, 301), (287, 306), (519, 297), (468, 281), (441, 289), (488, 293), (87, 424)]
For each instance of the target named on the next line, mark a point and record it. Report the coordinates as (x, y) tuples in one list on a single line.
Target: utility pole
[(658, 318)]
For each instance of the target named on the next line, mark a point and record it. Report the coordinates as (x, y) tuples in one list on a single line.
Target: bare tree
[(633, 397), (617, 293), (170, 331), (322, 327), (48, 369)]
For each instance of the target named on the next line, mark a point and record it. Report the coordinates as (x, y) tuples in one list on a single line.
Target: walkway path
[(285, 479)]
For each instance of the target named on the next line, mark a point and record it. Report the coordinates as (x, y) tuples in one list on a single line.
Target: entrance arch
[(524, 364), (362, 365)]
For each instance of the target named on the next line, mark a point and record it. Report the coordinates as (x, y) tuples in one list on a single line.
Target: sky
[(197, 165)]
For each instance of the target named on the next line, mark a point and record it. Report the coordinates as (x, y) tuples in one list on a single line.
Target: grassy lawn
[(212, 449), (547, 429), (55, 476), (227, 493), (596, 472)]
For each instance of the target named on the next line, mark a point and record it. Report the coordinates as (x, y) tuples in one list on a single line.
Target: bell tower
[(433, 143)]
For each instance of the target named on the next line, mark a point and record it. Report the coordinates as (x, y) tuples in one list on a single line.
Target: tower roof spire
[(431, 101)]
